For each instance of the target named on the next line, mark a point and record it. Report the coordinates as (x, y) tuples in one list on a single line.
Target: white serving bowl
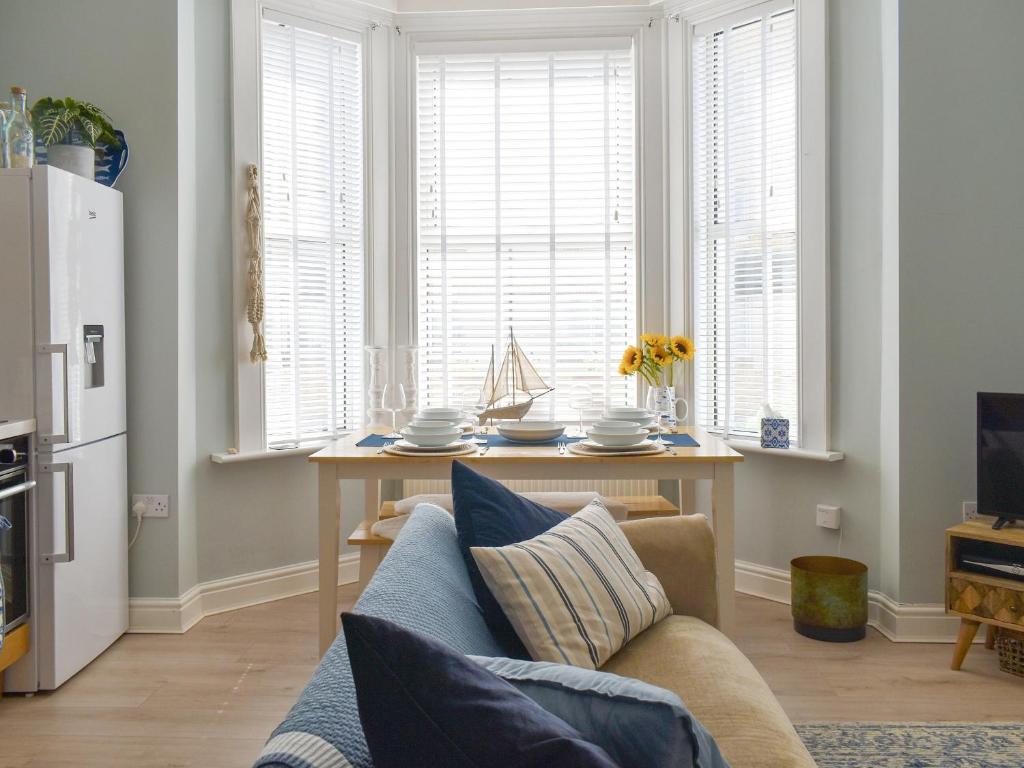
[(434, 426), (618, 439), (440, 414), (431, 439), (530, 431)]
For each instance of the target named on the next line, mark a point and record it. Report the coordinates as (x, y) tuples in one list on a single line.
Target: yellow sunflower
[(660, 356), (654, 339), (631, 360), (682, 347)]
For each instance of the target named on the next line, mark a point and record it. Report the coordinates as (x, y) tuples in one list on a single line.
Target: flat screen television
[(1001, 457)]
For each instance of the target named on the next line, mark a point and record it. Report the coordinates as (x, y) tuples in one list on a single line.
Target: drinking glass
[(470, 402), (580, 397), (394, 401), (654, 407)]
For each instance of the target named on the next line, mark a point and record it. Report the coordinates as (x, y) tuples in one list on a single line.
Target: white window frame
[(451, 33), (371, 26), (813, 197)]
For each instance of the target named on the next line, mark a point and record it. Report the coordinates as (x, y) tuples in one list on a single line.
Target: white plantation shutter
[(312, 135), (745, 219), (526, 219)]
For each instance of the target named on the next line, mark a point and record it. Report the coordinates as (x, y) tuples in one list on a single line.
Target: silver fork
[(561, 447)]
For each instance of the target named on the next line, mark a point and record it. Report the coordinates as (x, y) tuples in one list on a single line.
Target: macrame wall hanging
[(254, 302)]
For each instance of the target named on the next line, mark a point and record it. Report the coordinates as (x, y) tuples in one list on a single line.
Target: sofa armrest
[(680, 551)]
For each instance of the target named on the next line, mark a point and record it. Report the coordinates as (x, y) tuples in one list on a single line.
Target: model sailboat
[(515, 377)]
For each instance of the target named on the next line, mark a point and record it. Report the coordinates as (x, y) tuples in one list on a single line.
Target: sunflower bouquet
[(655, 358)]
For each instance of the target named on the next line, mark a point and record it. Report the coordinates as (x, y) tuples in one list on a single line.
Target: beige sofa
[(686, 654)]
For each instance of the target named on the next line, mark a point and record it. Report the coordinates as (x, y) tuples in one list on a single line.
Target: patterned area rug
[(915, 745)]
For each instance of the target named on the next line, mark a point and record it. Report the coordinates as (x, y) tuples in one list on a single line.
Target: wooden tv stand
[(979, 598)]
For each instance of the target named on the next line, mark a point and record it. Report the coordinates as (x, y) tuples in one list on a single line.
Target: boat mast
[(512, 352)]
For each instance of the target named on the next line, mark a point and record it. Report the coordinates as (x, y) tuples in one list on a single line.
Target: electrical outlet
[(828, 517), (970, 510), (156, 504)]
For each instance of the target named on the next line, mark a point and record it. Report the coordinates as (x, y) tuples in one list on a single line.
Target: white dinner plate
[(405, 445), (581, 449), (458, 450), (596, 446)]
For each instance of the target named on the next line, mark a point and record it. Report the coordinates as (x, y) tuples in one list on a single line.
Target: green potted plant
[(70, 130)]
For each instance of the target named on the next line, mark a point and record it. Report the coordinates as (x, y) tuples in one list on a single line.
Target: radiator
[(604, 487)]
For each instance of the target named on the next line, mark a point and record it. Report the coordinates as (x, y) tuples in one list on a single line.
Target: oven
[(14, 531)]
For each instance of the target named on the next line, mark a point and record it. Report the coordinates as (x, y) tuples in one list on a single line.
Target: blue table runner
[(497, 441)]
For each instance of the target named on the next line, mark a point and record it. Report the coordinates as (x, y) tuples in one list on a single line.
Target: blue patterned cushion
[(639, 725), (487, 514), (424, 705), (422, 584)]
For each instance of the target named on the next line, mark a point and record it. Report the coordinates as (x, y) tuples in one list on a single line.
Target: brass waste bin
[(829, 598)]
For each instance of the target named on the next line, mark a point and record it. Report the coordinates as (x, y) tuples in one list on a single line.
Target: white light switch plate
[(828, 517)]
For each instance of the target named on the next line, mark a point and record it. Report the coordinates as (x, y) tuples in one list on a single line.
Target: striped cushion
[(576, 593)]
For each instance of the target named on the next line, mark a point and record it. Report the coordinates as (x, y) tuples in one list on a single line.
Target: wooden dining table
[(343, 459)]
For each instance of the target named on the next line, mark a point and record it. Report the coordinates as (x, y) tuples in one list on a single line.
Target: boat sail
[(516, 376)]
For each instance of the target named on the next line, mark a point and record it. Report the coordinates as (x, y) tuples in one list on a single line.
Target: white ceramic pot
[(73, 158)]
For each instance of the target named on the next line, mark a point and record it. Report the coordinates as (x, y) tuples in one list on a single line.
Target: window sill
[(267, 453), (750, 446)]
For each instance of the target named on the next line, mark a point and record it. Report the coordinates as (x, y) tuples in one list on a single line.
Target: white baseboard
[(175, 615), (900, 622)]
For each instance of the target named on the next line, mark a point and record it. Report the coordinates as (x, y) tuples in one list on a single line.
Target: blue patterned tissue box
[(775, 433)]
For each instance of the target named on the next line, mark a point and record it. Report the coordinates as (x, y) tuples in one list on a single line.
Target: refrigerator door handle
[(62, 350), (68, 555)]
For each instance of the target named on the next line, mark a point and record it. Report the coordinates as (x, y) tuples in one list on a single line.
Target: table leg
[(968, 629), (724, 523), (330, 507), (370, 557), (990, 636), (687, 497)]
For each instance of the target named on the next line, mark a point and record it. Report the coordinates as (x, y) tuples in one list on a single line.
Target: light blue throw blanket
[(422, 584)]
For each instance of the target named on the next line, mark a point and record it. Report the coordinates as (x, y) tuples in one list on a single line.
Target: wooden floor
[(211, 697)]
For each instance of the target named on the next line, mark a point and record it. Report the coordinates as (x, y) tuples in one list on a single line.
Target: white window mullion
[(295, 351), (552, 218), (607, 234)]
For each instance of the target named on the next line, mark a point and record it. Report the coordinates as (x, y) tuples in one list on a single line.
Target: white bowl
[(618, 439), (620, 411), (440, 414), (642, 419), (530, 431), (616, 426), (432, 440), (435, 426)]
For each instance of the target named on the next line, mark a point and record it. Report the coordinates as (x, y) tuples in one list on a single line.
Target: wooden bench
[(372, 548)]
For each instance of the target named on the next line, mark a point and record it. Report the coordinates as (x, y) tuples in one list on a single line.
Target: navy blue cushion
[(639, 725), (423, 704), (487, 514)]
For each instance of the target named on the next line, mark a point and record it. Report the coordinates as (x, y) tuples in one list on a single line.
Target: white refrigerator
[(73, 342)]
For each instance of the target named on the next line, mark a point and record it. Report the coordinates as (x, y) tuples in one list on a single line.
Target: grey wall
[(776, 497), (961, 256), (122, 55)]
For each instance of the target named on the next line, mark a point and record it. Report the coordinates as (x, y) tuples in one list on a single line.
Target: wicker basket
[(1010, 645)]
